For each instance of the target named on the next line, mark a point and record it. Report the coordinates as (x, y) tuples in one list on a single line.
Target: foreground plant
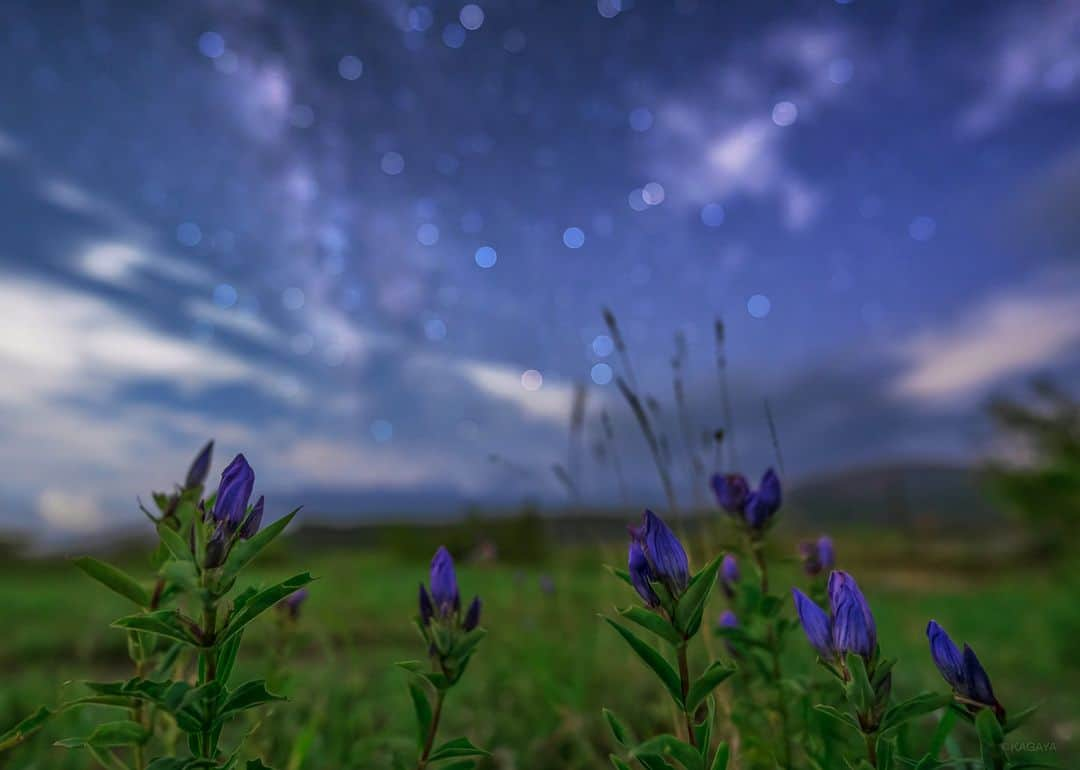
[(451, 639), (194, 618), (659, 571)]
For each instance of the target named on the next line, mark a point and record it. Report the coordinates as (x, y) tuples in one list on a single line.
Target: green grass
[(534, 691)]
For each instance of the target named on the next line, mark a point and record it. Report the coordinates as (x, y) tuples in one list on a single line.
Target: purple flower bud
[(472, 615), (547, 585), (811, 559), (665, 554), (293, 601), (641, 575), (731, 491), (853, 628), (764, 502), (253, 520), (946, 655), (816, 624), (729, 569), (963, 672), (825, 553), (444, 587), (217, 547), (237, 481), (728, 620), (200, 466), (427, 609)]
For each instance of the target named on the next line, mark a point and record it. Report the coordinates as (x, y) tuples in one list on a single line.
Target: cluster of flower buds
[(755, 508), (441, 622), (659, 568), (817, 557), (231, 515), (963, 672)]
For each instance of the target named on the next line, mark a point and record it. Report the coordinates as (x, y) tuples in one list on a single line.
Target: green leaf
[(246, 696), (653, 660), (416, 667), (1018, 719), (245, 550), (621, 574), (257, 764), (653, 762), (991, 737), (261, 602), (165, 623), (618, 729), (942, 731), (422, 707), (703, 729), (465, 644), (720, 759), (464, 764), (840, 716), (859, 692), (226, 658), (24, 729), (109, 734), (114, 579), (458, 747), (651, 621), (670, 746), (886, 753), (912, 708), (717, 672), (617, 763), (181, 573), (174, 541), (691, 606)]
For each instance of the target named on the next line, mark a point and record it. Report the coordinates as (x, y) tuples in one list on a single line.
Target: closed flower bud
[(641, 575), (237, 481), (253, 520), (764, 502), (963, 672), (200, 466), (728, 620), (825, 552), (816, 624), (472, 615), (444, 587), (731, 491), (853, 628), (729, 569), (811, 560), (664, 553), (217, 547), (291, 603), (427, 609)]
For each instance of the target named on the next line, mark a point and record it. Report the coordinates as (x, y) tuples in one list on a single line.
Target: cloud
[(551, 402), (120, 263), (68, 512), (1034, 55), (1009, 334), (721, 143)]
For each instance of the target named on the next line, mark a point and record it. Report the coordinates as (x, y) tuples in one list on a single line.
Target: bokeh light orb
[(350, 67), (712, 214), (486, 257), (427, 234), (292, 298), (758, 306), (453, 35), (392, 163), (225, 295), (784, 113), (189, 233), (471, 16), (641, 119), (435, 329), (211, 44), (532, 380), (603, 346), (382, 430), (601, 373), (922, 228), (573, 237)]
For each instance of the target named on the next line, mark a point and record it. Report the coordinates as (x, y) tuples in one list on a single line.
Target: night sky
[(368, 243)]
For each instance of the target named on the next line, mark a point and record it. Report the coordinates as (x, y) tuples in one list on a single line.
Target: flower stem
[(209, 668), (871, 748), (430, 742), (684, 676), (774, 651)]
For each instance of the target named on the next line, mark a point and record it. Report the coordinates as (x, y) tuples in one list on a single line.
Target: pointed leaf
[(261, 602), (109, 734), (717, 672), (24, 729), (653, 660), (618, 729), (652, 622), (165, 623), (912, 708), (114, 579), (422, 707), (245, 550), (246, 696), (720, 759), (670, 746), (688, 611), (458, 747), (840, 716)]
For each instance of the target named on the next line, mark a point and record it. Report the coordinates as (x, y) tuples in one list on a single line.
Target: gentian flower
[(663, 552), (444, 587), (641, 575), (200, 467), (816, 624), (253, 520), (728, 620), (754, 508), (853, 628), (291, 603), (472, 615), (825, 552), (427, 609), (729, 575), (962, 671), (731, 492), (849, 628), (237, 481)]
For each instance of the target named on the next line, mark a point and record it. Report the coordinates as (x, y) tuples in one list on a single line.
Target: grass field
[(535, 690)]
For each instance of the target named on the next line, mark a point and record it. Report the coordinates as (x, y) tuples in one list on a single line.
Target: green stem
[(684, 676), (871, 748), (209, 669), (430, 742), (774, 651)]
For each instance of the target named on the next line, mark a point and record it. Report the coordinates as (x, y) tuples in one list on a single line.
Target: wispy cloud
[(1009, 334)]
